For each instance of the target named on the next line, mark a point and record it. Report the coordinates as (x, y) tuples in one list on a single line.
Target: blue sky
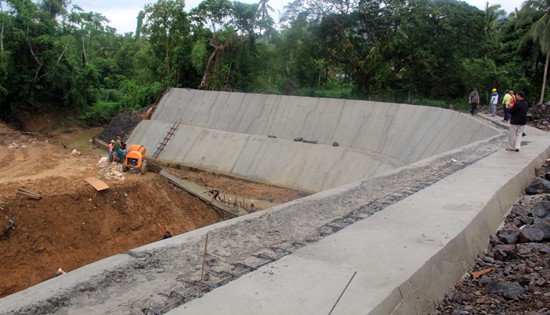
[(123, 13)]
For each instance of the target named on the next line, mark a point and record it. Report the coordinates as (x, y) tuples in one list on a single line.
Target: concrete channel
[(197, 191), (401, 207)]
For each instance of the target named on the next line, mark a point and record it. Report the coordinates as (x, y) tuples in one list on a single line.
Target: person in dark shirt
[(166, 235), (215, 194), (518, 120), (474, 100)]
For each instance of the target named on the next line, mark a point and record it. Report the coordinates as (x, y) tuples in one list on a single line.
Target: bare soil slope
[(72, 224)]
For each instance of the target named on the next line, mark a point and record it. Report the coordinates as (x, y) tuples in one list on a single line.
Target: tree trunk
[(218, 49), (1, 30), (168, 55), (541, 101), (84, 51)]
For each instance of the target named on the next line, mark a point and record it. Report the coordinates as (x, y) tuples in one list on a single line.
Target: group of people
[(474, 101), (117, 150), (514, 107), (508, 100)]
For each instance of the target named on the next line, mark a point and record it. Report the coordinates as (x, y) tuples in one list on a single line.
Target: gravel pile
[(123, 124)]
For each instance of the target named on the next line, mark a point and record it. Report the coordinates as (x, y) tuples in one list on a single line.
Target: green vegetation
[(55, 56)]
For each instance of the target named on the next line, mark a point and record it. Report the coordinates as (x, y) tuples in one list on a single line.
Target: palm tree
[(263, 14), (540, 33), (493, 17)]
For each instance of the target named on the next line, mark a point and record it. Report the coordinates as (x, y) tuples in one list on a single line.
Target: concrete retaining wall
[(228, 133)]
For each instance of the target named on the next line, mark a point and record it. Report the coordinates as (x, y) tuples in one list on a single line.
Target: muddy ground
[(72, 224)]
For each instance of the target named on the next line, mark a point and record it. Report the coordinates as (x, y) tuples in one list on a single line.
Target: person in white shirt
[(494, 102)]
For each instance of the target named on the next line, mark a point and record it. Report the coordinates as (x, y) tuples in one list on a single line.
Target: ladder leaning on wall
[(166, 139)]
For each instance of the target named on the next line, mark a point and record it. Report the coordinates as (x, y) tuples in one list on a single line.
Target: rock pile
[(513, 276), (539, 117), (123, 124)]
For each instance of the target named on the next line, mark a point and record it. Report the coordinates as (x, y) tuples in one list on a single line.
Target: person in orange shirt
[(513, 99)]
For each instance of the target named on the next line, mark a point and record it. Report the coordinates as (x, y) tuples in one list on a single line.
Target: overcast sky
[(122, 13)]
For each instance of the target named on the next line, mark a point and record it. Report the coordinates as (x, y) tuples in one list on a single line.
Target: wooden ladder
[(166, 139)]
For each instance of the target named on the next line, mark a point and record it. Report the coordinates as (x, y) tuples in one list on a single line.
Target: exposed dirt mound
[(72, 224)]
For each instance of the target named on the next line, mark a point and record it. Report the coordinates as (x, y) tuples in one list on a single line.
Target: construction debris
[(477, 274), (14, 145), (98, 184), (30, 194), (112, 173), (76, 152)]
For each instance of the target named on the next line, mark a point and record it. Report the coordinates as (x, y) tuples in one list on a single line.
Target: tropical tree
[(212, 13), (494, 16), (540, 34), (243, 17), (264, 20), (166, 27)]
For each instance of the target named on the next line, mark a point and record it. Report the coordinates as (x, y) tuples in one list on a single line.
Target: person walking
[(505, 103), (474, 100), (494, 102), (518, 120)]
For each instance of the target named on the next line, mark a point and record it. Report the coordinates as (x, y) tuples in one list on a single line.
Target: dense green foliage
[(55, 56)]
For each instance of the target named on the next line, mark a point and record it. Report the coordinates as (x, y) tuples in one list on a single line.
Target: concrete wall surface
[(252, 136)]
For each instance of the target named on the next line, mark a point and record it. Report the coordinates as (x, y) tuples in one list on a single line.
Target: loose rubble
[(539, 117), (513, 276), (123, 124)]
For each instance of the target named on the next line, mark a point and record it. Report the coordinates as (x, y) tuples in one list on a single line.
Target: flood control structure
[(304, 143), (405, 198)]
